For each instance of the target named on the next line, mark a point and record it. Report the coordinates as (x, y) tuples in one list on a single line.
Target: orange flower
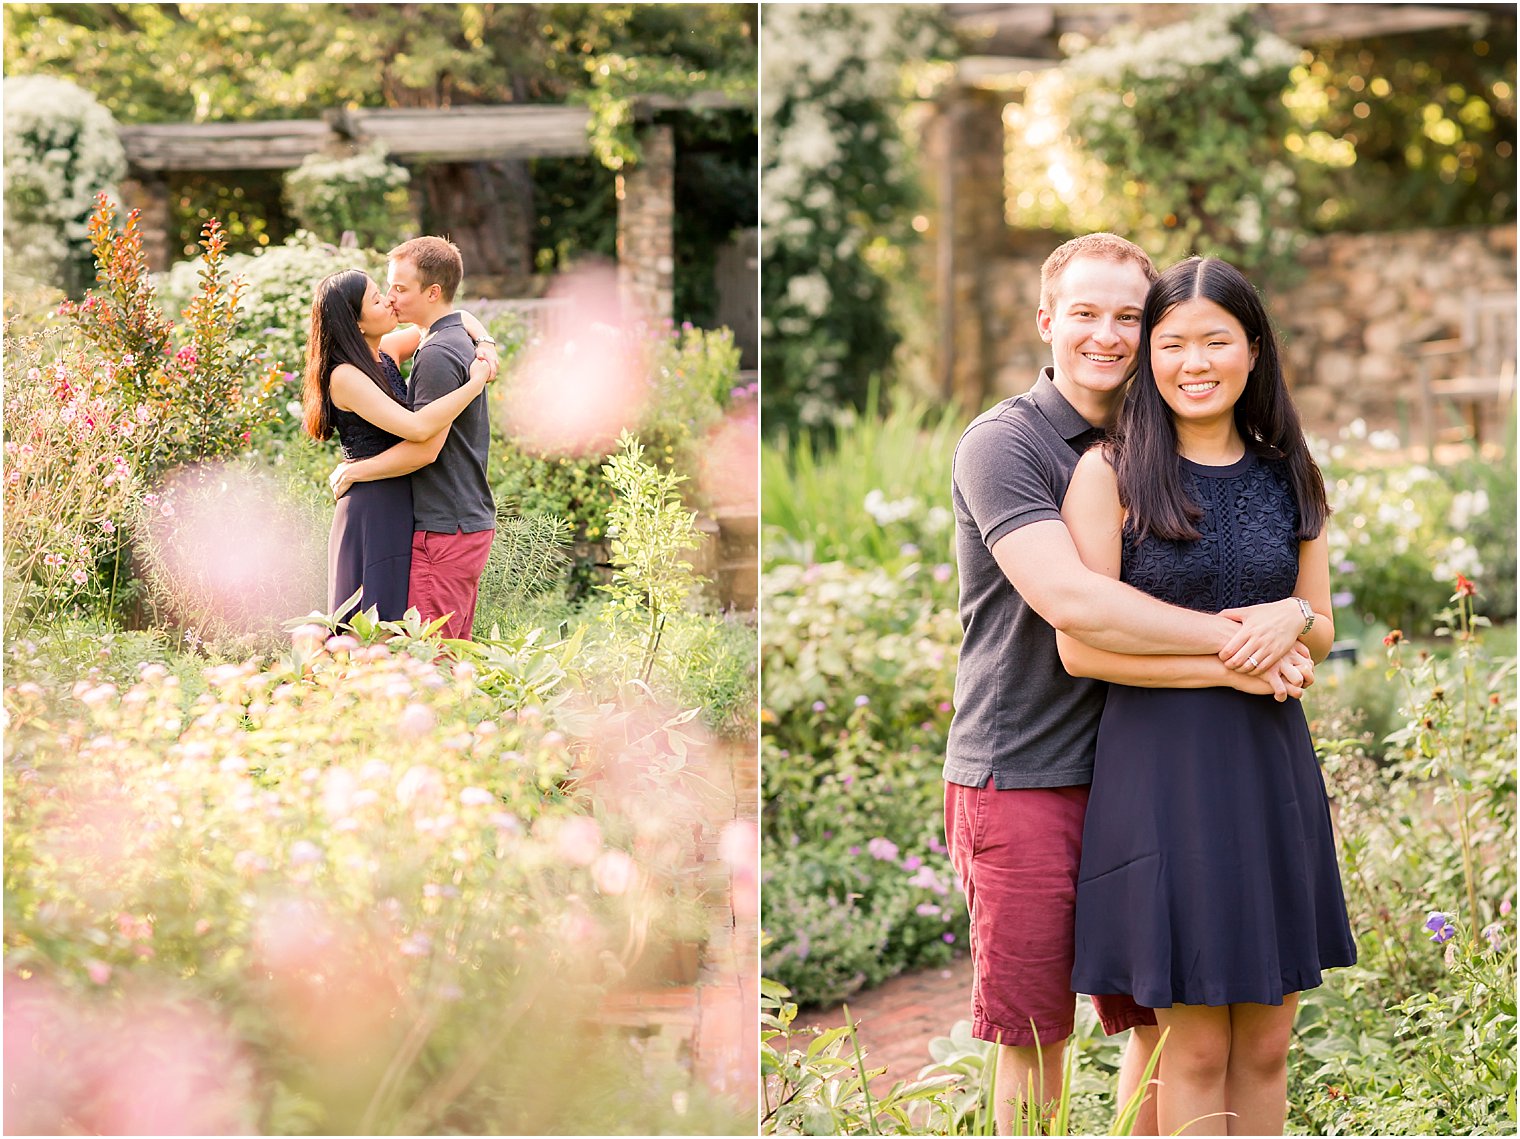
[(1465, 588), (1393, 638)]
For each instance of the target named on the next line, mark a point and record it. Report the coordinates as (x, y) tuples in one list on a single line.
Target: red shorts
[(445, 578), (1016, 853)]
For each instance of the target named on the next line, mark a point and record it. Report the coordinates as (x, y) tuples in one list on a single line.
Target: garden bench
[(1472, 370)]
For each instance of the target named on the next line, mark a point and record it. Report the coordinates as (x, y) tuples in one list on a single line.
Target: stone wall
[(1346, 326), (646, 251)]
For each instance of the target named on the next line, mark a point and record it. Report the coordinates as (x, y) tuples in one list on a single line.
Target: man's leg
[(1025, 1071), (1015, 853), (445, 577)]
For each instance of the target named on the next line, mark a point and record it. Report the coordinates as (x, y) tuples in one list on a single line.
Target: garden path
[(709, 1025), (897, 1019)]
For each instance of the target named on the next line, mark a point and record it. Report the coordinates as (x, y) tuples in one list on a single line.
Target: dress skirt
[(1209, 871), (371, 544)]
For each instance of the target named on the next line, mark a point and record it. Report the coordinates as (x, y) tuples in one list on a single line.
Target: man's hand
[(340, 480), (1267, 632)]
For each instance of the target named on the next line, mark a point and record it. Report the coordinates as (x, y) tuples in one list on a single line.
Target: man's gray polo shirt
[(451, 493), (1020, 720)]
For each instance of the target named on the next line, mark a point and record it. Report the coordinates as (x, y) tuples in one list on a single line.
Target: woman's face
[(376, 317), (1201, 357)]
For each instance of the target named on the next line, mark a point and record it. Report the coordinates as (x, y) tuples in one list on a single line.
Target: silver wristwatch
[(1309, 615)]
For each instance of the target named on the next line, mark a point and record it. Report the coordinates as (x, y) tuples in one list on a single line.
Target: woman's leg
[(1256, 1087), (1194, 1063)]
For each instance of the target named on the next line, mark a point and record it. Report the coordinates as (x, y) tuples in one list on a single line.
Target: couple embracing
[(1132, 804), (415, 517)]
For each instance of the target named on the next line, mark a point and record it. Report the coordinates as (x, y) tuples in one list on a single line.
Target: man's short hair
[(1103, 247), (437, 260)]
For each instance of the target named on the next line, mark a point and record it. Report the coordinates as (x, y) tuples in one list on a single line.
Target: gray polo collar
[(1053, 406)]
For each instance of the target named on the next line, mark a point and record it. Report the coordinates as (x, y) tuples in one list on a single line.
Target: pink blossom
[(53, 560), (614, 872), (108, 526), (80, 577), (416, 720), (308, 638), (421, 784), (579, 840), (99, 971), (342, 644), (476, 797)]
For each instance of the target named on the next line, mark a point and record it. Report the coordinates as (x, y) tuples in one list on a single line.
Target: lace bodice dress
[(359, 438), (1209, 872)]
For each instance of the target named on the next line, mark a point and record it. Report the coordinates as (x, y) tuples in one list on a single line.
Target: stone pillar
[(149, 192), (646, 246), (965, 147)]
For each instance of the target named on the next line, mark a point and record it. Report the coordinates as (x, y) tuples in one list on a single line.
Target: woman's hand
[(1287, 678), (485, 352), (483, 368), (1266, 634), (340, 480)]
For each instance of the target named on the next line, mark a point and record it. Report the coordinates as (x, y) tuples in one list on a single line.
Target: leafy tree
[(1408, 130), (204, 62)]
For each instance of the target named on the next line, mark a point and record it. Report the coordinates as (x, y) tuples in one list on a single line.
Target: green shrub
[(1402, 531), (361, 193), (859, 670), (874, 492), (61, 150)]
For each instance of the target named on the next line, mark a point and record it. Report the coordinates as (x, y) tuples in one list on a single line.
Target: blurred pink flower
[(98, 971), (420, 784), (614, 872), (578, 840), (416, 720), (476, 797)]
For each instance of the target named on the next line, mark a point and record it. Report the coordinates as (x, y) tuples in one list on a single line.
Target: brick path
[(711, 1026), (897, 1019)]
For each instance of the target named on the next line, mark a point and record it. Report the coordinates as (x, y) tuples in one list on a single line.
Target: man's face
[(1093, 327), (404, 291)]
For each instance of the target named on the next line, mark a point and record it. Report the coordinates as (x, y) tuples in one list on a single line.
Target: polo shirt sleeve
[(436, 371), (1004, 479)]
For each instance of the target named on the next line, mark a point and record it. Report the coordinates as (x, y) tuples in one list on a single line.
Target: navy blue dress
[(1209, 871), (370, 543)]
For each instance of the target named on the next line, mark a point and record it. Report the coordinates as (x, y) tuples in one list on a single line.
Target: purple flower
[(926, 910), (1505, 907), (912, 863), (937, 847), (1495, 936), (820, 706), (948, 938), (1441, 929), (882, 849), (854, 850), (942, 573), (861, 701)]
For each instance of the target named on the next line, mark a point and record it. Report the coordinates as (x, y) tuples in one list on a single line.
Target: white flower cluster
[(61, 149), (1174, 53), (324, 187)]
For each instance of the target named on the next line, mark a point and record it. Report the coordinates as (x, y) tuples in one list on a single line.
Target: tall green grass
[(814, 488)]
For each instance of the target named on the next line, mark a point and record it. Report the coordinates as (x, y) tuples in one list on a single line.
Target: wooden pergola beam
[(452, 134)]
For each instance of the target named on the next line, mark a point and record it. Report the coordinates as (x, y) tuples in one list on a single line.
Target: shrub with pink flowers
[(362, 896)]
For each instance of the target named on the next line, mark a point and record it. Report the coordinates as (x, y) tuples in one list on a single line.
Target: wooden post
[(149, 192)]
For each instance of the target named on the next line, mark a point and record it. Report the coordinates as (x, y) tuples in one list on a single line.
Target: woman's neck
[(1214, 444), (374, 346)]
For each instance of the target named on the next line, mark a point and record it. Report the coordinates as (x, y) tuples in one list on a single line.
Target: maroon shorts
[(446, 571), (1016, 853)]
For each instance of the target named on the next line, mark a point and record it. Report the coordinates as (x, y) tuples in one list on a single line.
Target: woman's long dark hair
[(1145, 445), (334, 338)]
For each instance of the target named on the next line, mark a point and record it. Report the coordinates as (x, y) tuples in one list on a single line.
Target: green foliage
[(76, 468), (873, 492), (1186, 122), (1402, 531), (649, 532), (244, 864), (839, 187), (1418, 129), (526, 564), (859, 670), (362, 193), (212, 386), (820, 1085), (61, 150)]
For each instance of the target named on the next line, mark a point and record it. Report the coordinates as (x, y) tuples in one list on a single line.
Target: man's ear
[(1042, 321)]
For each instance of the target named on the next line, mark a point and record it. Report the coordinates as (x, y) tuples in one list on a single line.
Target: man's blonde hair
[(437, 260), (1103, 247)]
